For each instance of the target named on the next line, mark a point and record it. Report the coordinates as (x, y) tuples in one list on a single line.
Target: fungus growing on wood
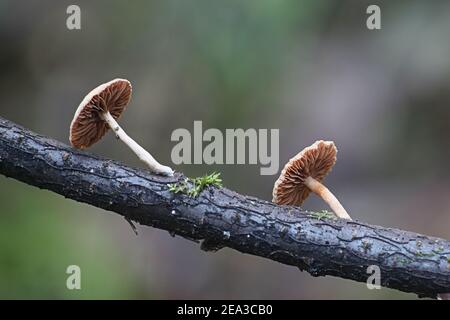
[(304, 173), (98, 113)]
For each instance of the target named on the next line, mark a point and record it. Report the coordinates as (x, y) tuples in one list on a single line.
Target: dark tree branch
[(408, 261)]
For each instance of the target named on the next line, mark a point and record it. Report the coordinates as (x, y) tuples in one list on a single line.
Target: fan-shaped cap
[(314, 161), (87, 126)]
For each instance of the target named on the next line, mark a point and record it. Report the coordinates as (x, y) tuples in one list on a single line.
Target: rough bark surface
[(219, 217)]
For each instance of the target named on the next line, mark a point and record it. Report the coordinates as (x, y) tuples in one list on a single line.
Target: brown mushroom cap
[(314, 161), (87, 126)]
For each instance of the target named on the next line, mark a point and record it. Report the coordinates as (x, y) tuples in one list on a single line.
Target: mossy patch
[(322, 215), (194, 186)]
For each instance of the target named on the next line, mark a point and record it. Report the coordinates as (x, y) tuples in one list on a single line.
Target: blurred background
[(309, 68)]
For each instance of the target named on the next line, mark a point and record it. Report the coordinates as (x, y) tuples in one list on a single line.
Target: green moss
[(421, 254), (194, 186), (322, 215)]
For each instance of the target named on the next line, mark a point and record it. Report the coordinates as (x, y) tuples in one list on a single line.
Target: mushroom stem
[(323, 192), (142, 154)]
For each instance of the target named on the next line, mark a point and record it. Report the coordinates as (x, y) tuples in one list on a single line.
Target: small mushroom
[(98, 112), (304, 173)]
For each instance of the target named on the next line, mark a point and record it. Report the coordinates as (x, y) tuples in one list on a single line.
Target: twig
[(408, 261)]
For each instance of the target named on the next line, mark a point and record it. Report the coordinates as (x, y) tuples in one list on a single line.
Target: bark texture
[(219, 217)]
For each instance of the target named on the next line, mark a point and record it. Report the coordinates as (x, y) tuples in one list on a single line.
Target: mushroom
[(98, 112), (304, 173)]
